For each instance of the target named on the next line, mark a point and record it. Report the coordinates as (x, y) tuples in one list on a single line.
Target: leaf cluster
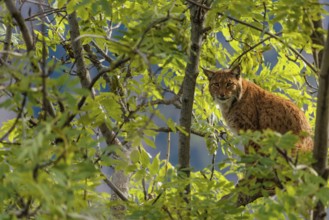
[(53, 157)]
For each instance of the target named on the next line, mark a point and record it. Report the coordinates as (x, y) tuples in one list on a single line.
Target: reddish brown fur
[(245, 105)]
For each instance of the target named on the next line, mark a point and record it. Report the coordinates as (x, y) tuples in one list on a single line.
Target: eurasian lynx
[(244, 105)]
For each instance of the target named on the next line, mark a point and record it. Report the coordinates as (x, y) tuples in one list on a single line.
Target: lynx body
[(246, 106)]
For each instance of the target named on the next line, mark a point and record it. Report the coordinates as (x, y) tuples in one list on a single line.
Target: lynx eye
[(215, 84), (229, 84)]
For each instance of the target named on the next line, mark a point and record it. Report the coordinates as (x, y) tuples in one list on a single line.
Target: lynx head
[(225, 85)]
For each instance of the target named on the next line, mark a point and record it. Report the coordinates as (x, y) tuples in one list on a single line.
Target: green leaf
[(150, 142), (144, 158), (323, 195), (134, 156), (70, 6), (155, 166), (171, 124)]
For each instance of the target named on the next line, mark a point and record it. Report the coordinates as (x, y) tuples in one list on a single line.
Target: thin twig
[(157, 198), (38, 3), (234, 38), (99, 50), (115, 189), (273, 36), (11, 53), (7, 43), (46, 164), (106, 70), (28, 42), (19, 115), (45, 13), (198, 4), (150, 26), (212, 166), (20, 21), (10, 143), (26, 209), (168, 212), (44, 74), (251, 48), (144, 189), (143, 180), (166, 129), (221, 135), (264, 17), (91, 85), (158, 102), (309, 84), (284, 154), (119, 178), (167, 153)]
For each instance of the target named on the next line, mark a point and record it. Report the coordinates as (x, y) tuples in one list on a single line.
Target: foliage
[(52, 154)]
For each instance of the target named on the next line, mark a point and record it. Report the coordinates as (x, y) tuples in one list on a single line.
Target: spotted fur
[(246, 106)]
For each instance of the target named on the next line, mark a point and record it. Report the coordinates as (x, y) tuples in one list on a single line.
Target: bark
[(7, 43), (119, 179), (21, 23), (197, 16), (28, 40), (317, 39), (77, 51), (320, 150)]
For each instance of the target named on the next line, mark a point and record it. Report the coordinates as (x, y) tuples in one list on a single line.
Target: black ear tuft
[(236, 70), (208, 73)]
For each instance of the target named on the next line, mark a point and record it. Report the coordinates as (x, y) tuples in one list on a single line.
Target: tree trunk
[(119, 179), (317, 39), (321, 127), (197, 16)]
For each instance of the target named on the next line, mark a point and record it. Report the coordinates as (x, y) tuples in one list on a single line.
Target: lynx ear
[(208, 73), (236, 71)]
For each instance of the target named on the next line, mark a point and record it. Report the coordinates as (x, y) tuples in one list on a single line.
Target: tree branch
[(99, 50), (166, 129), (150, 26), (120, 178), (28, 42), (7, 43), (20, 21), (45, 13), (115, 189), (77, 51), (250, 49), (275, 37), (322, 113), (197, 17), (109, 69), (199, 4), (317, 39), (320, 150), (19, 115)]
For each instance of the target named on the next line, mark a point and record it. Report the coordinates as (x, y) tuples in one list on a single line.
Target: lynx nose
[(221, 96)]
